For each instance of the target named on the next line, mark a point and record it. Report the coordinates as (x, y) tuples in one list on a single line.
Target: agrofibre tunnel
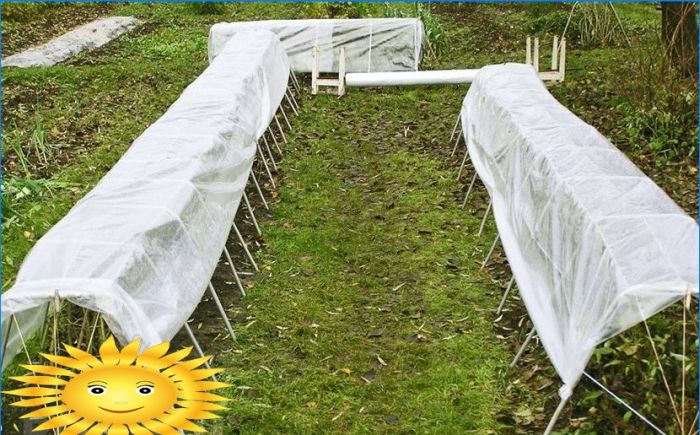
[(595, 246)]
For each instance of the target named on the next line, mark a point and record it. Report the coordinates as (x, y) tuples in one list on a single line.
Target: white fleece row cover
[(141, 246), (371, 45), (595, 246)]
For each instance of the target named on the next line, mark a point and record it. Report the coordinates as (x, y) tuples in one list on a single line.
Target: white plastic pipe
[(410, 78)]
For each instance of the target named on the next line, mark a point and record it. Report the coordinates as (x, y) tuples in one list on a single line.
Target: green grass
[(360, 242), (367, 235)]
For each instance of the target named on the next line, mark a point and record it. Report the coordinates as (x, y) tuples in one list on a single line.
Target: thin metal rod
[(279, 127), (522, 347), (493, 246), (454, 129), (284, 115), (623, 403), (454, 149), (260, 192), (269, 153), (471, 186), (233, 269), (295, 82), (483, 221), (196, 345), (291, 104), (222, 311), (274, 139), (464, 162), (245, 248), (293, 100), (252, 214), (267, 168), (555, 416), (94, 330), (7, 339), (21, 339), (505, 295)]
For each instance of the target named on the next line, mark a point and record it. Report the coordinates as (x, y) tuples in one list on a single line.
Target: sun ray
[(33, 392), (181, 372), (83, 356), (49, 411), (191, 413), (48, 370), (209, 385), (172, 358), (198, 375), (137, 429), (39, 380), (203, 406), (37, 401), (97, 429), (151, 356), (66, 362), (58, 421), (129, 353), (118, 429), (78, 427), (160, 428), (121, 393), (190, 364), (109, 352), (195, 395), (181, 421)]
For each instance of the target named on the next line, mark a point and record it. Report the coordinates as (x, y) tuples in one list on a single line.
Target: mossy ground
[(371, 312)]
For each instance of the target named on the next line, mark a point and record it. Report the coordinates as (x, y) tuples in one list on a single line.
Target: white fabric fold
[(371, 44), (595, 246), (141, 247)]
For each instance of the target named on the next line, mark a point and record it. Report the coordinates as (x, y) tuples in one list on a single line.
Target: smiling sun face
[(120, 394), (121, 391)]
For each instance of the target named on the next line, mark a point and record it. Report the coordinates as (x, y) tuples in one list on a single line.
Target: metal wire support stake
[(196, 345), (274, 139), (252, 215), (260, 192), (222, 311), (522, 347), (555, 416), (483, 221), (279, 127), (7, 338), (471, 186), (464, 161), (454, 130), (505, 295), (454, 149), (269, 152), (622, 402), (293, 100), (292, 104), (493, 246), (233, 269), (245, 248), (267, 168), (295, 82), (284, 115)]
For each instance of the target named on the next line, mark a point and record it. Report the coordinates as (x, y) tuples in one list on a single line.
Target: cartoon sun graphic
[(121, 392)]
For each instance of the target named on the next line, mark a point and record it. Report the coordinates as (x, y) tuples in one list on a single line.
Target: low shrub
[(434, 33), (208, 8)]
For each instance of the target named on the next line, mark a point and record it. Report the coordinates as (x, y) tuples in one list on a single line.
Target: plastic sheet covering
[(142, 245), (371, 45), (595, 246)]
